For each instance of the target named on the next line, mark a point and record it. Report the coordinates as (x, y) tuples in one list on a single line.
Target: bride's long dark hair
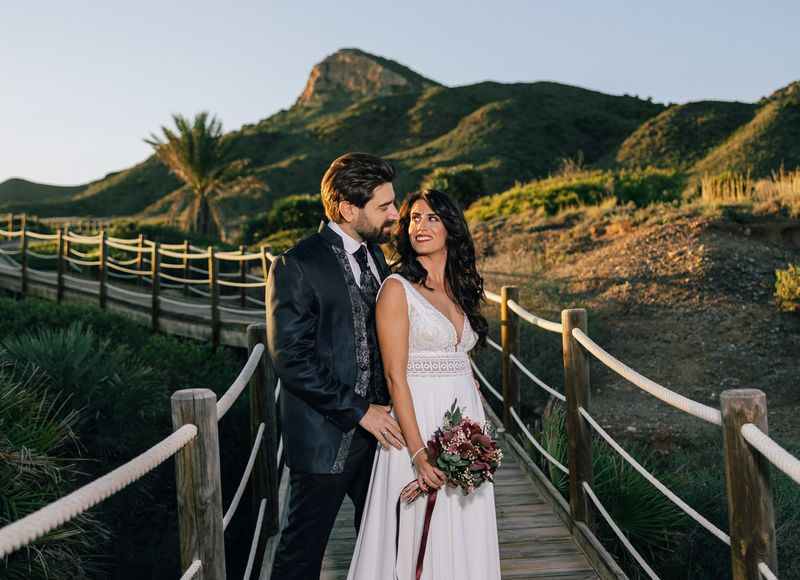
[(463, 283)]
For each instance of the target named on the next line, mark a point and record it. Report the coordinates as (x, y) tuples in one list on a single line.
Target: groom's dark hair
[(353, 177)]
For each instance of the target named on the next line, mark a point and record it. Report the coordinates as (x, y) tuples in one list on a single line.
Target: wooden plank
[(533, 542)]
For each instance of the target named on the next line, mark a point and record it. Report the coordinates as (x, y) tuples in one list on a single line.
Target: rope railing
[(84, 255), (113, 260), (622, 537), (182, 280), (493, 344), (766, 573), (33, 526), (226, 401), (536, 379), (237, 257), (192, 570), (485, 381), (251, 461), (776, 454), (171, 266), (41, 256), (672, 398), (125, 241), (38, 236), (126, 248), (181, 255), (560, 466), (533, 319), (82, 262), (686, 508), (251, 557), (84, 240), (8, 234), (241, 284), (492, 297), (10, 252), (128, 270)]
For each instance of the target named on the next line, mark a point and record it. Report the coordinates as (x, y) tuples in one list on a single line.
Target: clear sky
[(83, 82)]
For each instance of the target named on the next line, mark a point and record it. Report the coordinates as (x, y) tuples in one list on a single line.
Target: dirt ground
[(686, 301)]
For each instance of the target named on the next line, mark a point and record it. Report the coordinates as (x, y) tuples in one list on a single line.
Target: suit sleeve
[(290, 337)]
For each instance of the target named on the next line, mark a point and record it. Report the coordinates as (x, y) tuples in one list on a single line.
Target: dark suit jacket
[(311, 339)]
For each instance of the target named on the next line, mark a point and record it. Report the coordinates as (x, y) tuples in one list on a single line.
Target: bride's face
[(426, 230)]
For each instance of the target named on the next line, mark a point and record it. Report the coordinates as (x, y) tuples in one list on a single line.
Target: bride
[(428, 319)]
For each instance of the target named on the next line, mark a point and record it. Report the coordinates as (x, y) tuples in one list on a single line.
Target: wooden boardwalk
[(533, 542)]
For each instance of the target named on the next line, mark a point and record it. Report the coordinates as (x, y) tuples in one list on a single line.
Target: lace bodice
[(429, 330)]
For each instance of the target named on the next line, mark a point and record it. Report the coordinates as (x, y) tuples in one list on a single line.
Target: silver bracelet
[(417, 452)]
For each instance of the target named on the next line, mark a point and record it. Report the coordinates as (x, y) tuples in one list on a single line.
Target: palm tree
[(198, 154)]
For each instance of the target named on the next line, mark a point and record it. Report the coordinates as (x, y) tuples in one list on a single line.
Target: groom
[(322, 340)]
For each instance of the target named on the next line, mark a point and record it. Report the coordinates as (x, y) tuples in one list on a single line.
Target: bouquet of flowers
[(464, 450)]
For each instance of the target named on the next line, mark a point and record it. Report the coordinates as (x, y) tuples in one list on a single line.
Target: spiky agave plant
[(198, 153), (36, 468), (647, 518)]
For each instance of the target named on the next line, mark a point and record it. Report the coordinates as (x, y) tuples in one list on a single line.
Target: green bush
[(462, 182), (115, 377), (649, 520), (115, 394), (288, 214), (36, 468), (787, 288), (551, 195)]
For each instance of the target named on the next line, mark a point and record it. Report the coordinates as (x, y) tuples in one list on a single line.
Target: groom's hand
[(383, 427)]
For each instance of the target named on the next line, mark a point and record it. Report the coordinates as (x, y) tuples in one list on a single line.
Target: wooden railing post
[(23, 243), (747, 474), (213, 288), (60, 266), (23, 226), (265, 266), (140, 259), (187, 272), (102, 273), (579, 436), (509, 338), (242, 278), (262, 410), (66, 242), (197, 475), (155, 272)]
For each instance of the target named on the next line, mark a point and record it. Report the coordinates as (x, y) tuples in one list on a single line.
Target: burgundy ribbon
[(423, 542)]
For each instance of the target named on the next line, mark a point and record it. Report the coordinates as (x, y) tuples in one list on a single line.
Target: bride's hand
[(428, 476)]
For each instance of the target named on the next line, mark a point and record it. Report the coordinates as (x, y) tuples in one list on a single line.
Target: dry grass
[(780, 191)]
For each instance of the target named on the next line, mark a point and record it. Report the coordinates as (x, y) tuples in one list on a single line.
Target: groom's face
[(374, 221)]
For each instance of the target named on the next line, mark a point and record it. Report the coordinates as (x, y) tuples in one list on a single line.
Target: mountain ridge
[(512, 132)]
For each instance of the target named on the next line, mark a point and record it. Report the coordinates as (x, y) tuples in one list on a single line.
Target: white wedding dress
[(462, 542)]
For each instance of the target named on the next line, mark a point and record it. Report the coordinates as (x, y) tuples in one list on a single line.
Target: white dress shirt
[(351, 247)]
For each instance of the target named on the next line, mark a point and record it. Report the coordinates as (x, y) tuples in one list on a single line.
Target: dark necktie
[(369, 285)]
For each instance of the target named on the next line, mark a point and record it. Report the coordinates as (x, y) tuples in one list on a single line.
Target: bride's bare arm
[(391, 318)]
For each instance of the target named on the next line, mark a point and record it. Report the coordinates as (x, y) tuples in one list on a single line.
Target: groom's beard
[(372, 233)]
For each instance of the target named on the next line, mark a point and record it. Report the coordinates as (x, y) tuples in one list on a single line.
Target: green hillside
[(763, 144), (683, 134), (512, 133), (17, 190)]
